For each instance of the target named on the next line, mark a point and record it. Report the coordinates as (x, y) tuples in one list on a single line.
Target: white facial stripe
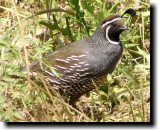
[(111, 21), (107, 37)]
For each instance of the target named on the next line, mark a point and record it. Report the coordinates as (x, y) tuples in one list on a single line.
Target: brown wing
[(70, 63)]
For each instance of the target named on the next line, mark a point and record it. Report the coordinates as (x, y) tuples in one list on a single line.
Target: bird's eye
[(114, 24)]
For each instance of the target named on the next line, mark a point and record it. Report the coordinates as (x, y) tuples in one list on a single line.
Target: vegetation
[(30, 29)]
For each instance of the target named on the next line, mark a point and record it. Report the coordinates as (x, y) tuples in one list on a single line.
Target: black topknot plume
[(130, 11)]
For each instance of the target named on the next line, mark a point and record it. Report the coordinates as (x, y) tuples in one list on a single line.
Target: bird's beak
[(124, 27)]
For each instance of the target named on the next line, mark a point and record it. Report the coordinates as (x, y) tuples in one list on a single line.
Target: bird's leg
[(74, 99)]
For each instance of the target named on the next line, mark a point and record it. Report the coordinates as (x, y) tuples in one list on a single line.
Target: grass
[(30, 30)]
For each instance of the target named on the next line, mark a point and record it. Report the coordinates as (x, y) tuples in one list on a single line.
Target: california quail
[(85, 61)]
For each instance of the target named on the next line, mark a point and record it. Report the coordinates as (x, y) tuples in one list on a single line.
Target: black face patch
[(113, 30)]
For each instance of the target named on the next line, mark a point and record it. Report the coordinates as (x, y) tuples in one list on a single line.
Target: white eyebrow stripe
[(111, 21), (107, 37)]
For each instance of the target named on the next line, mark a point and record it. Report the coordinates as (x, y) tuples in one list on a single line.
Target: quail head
[(89, 60)]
